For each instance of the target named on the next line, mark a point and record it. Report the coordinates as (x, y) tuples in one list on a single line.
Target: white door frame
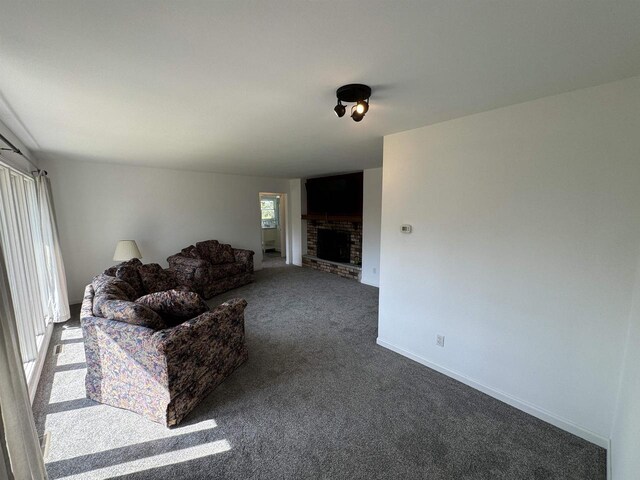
[(285, 235)]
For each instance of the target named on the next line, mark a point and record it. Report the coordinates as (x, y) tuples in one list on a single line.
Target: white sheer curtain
[(36, 276), (18, 433), (22, 246), (56, 280)]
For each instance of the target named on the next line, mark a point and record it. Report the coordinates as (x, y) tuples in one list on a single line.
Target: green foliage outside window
[(269, 209)]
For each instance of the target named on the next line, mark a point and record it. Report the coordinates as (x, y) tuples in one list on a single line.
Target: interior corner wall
[(371, 219), (295, 220), (526, 223), (164, 210), (625, 438)]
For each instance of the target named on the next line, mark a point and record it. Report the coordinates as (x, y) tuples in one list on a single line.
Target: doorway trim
[(285, 235)]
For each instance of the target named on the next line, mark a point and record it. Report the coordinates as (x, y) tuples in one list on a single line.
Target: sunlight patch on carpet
[(155, 461), (72, 442)]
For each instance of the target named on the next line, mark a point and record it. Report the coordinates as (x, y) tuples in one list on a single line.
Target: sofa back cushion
[(214, 252), (207, 250), (190, 252), (156, 279), (174, 306), (130, 274), (109, 288), (106, 285), (227, 253), (111, 271), (112, 299)]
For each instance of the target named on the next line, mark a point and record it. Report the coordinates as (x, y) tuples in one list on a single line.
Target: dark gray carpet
[(316, 399)]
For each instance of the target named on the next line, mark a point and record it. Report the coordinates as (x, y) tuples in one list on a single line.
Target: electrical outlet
[(440, 340)]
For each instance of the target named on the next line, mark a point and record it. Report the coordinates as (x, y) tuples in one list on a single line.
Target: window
[(21, 239), (270, 217)]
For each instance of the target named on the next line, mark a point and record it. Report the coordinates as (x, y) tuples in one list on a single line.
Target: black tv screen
[(337, 195)]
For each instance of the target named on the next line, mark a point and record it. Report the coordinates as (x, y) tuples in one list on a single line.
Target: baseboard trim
[(526, 407)]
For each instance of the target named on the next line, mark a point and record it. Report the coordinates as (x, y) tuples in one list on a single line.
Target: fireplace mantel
[(333, 218)]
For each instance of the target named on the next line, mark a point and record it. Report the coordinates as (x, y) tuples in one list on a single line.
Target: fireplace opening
[(334, 245)]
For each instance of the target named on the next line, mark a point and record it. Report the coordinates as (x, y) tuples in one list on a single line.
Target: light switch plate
[(406, 228)]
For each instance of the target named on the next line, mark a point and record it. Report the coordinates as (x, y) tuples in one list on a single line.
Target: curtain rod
[(15, 149)]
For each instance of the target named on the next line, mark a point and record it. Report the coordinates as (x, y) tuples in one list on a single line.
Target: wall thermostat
[(406, 228)]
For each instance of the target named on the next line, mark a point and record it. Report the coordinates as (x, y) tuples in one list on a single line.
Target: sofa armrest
[(122, 340), (244, 257), (191, 272), (87, 302), (129, 337), (222, 320)]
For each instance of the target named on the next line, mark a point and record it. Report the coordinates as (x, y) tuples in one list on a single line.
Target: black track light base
[(354, 92)]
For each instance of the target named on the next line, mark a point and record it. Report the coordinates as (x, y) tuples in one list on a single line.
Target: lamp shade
[(126, 250)]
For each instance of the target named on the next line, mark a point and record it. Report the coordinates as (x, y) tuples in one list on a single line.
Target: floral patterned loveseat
[(210, 268), (158, 354)]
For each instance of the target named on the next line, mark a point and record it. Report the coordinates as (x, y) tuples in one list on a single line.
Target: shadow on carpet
[(316, 399)]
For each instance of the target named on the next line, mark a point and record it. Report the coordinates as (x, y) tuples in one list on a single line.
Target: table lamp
[(126, 250)]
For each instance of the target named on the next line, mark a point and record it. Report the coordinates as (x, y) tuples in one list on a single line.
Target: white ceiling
[(249, 86)]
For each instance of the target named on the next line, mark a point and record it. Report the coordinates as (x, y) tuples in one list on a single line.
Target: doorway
[(273, 229)]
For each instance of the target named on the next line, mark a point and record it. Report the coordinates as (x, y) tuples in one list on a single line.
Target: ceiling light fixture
[(353, 93)]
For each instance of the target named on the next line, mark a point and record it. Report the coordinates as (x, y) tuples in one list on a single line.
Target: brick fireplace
[(341, 253)]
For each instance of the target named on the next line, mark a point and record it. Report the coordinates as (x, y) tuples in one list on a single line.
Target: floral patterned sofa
[(161, 353), (210, 268)]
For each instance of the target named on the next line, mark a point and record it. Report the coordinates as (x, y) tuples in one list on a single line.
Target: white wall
[(625, 438), (295, 220), (526, 226), (371, 218), (163, 210), (271, 238)]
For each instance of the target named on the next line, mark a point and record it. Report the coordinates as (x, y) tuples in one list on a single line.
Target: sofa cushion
[(190, 252), (226, 270), (111, 271), (175, 306), (132, 313), (156, 279), (98, 300), (109, 288), (183, 288), (130, 274), (215, 252), (209, 251), (106, 285), (227, 253)]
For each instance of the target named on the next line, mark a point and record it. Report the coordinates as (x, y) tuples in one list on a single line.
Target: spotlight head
[(355, 115), (362, 107), (340, 109)]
